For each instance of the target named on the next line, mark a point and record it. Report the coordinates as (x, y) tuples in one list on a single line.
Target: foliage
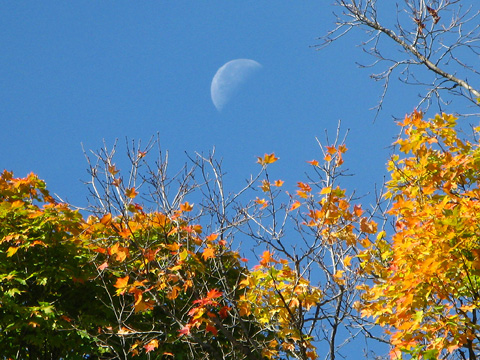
[(427, 278), (46, 298)]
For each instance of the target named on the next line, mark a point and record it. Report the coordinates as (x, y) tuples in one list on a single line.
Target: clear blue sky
[(80, 72)]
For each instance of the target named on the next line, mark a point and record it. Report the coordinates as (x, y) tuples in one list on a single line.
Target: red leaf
[(212, 329)]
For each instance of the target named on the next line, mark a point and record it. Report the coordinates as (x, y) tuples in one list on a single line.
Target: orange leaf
[(313, 162), (131, 193), (121, 284), (106, 219), (152, 345), (295, 205), (208, 253), (113, 170), (173, 294), (357, 209), (213, 294), (267, 159), (304, 187), (266, 258), (262, 202), (278, 183), (366, 226), (186, 207), (211, 237), (331, 150)]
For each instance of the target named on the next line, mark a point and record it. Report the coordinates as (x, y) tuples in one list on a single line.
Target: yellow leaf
[(183, 255), (12, 250), (265, 186), (326, 190), (347, 260), (267, 159)]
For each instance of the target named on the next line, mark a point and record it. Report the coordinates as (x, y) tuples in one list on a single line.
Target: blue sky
[(81, 72)]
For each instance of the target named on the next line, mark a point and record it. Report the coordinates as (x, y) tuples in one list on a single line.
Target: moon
[(229, 78)]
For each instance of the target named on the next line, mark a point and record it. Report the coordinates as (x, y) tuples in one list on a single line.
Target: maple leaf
[(212, 329), (331, 150), (265, 186), (213, 294), (267, 159), (211, 237), (106, 219), (304, 187), (262, 202), (266, 258), (144, 305), (357, 209), (278, 183), (313, 162), (131, 193), (224, 312), (152, 345), (121, 284), (295, 205), (186, 207), (185, 330), (208, 253), (173, 294), (113, 170)]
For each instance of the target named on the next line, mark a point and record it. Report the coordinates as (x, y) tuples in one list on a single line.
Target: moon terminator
[(229, 78)]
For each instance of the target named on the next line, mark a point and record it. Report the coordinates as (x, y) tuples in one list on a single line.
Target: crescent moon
[(229, 78)]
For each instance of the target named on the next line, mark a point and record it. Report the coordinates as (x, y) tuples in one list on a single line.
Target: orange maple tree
[(427, 276)]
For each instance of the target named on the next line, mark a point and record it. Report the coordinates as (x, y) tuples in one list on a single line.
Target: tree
[(435, 39), (426, 287), (295, 297), (46, 298)]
